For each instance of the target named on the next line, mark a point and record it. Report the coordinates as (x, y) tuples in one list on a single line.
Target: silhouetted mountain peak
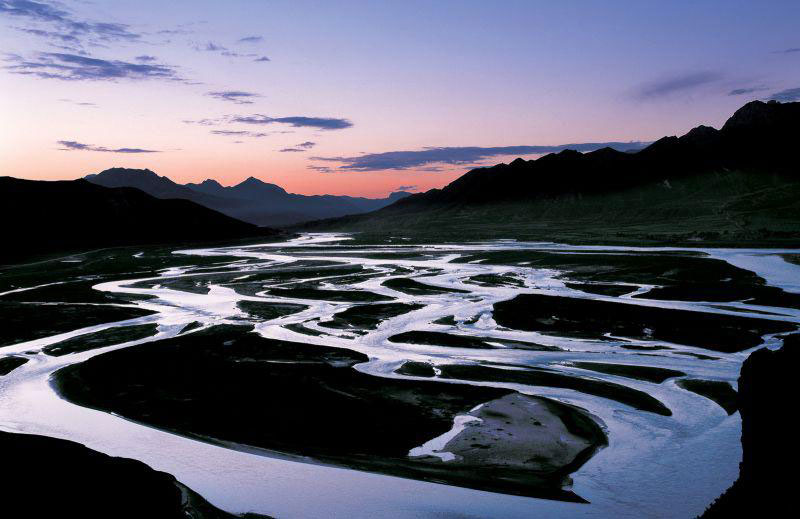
[(254, 185), (211, 183), (129, 171), (701, 136), (252, 200), (144, 179), (561, 155), (759, 132), (208, 186), (701, 132), (662, 145), (606, 153), (518, 162), (753, 114), (771, 127)]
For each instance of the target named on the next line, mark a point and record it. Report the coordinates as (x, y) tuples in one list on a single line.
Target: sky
[(364, 97)]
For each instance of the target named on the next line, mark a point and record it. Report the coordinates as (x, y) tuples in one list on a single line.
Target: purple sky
[(365, 97)]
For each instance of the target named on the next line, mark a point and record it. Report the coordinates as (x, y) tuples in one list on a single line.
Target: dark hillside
[(46, 217), (737, 184)]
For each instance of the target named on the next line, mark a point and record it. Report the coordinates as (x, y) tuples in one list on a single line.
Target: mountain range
[(252, 201), (739, 183), (735, 186), (45, 217)]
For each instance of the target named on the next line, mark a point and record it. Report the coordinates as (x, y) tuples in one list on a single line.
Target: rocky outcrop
[(770, 453)]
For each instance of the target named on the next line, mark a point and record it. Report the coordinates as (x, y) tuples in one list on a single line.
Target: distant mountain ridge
[(43, 217), (730, 180), (757, 134), (252, 200)]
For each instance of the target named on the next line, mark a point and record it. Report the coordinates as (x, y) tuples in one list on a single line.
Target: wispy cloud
[(78, 103), (406, 188), (222, 50), (34, 10), (748, 90), (250, 39), (791, 50), (53, 35), (235, 96), (210, 47), (303, 146), (320, 123), (73, 67), (417, 159), (173, 32), (262, 59), (145, 59), (680, 84), (206, 122), (180, 29), (69, 27), (322, 169), (79, 146), (239, 133), (229, 132), (786, 96)]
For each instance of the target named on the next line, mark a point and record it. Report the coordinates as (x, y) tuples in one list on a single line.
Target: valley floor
[(567, 380)]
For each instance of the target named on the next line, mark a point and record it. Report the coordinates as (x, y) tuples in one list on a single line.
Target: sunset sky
[(367, 97)]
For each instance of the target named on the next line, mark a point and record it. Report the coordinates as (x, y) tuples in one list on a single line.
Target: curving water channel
[(654, 465)]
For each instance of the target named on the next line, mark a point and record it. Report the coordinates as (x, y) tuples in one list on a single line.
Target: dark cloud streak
[(786, 96), (68, 25), (241, 133), (224, 51), (321, 123), (73, 67), (79, 146), (743, 91), (303, 146), (235, 96), (676, 85), (417, 159), (78, 103), (53, 35)]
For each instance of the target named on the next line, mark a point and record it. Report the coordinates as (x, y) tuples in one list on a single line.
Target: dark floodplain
[(534, 370)]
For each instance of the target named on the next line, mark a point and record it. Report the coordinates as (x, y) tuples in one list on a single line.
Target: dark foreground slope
[(47, 477), (739, 183), (45, 217), (252, 200), (766, 483)]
